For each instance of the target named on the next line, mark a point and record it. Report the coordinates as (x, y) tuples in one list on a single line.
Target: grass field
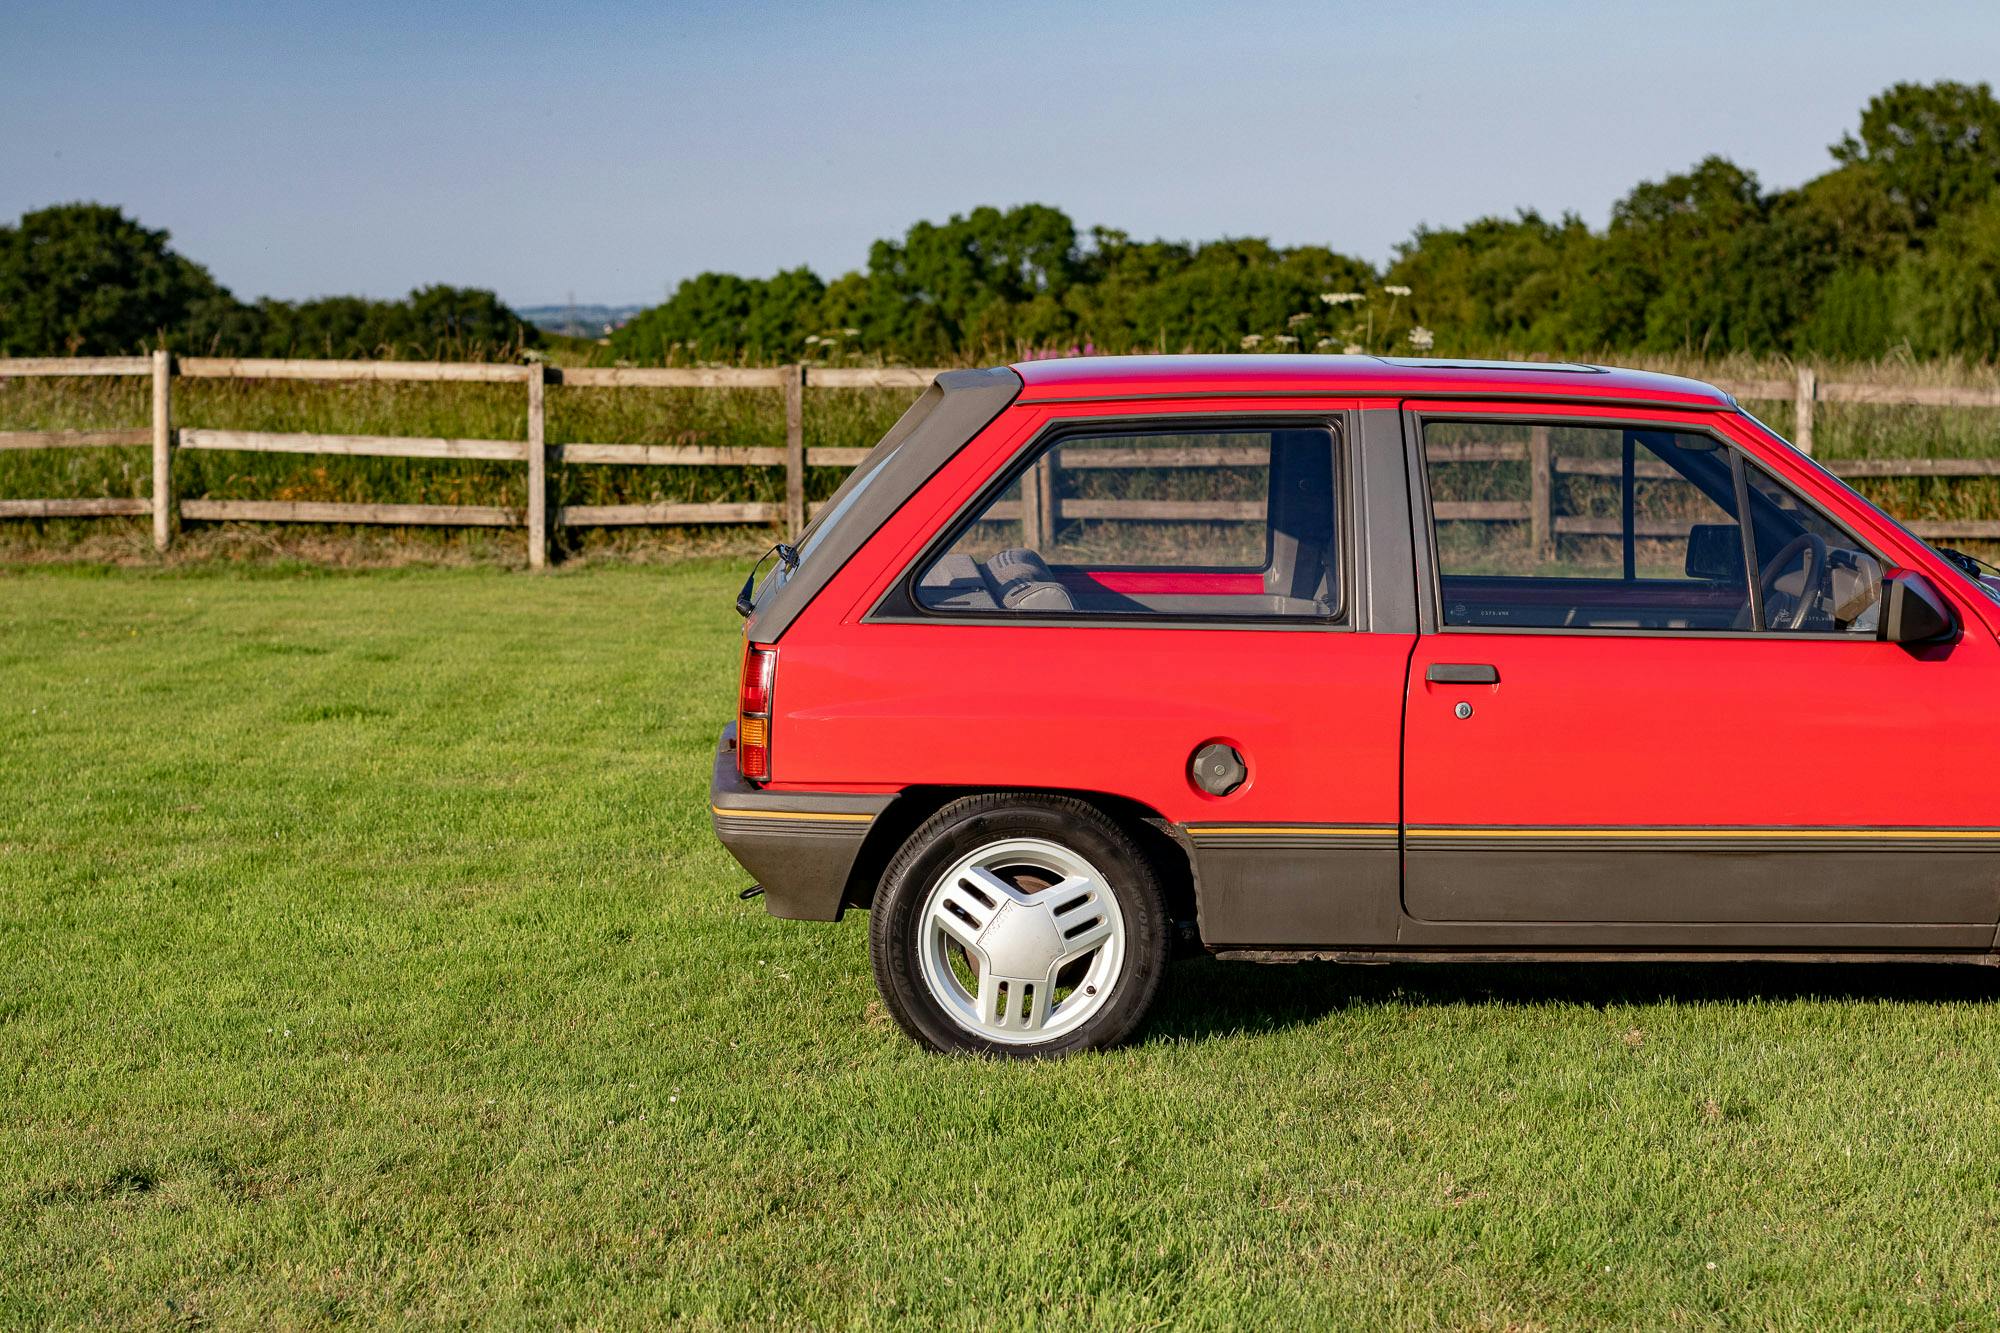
[(365, 955)]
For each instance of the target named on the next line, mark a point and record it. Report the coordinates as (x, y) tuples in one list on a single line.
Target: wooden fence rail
[(792, 381)]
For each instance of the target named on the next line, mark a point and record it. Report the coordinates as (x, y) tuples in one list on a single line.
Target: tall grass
[(703, 417)]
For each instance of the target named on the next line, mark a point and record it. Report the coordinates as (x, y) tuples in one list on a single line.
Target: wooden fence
[(792, 381)]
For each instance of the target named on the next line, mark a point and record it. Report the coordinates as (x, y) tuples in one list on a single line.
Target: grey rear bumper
[(799, 845)]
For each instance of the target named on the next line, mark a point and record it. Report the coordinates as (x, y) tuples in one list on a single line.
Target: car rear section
[(799, 842)]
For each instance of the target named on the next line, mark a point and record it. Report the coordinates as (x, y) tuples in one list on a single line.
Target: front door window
[(1595, 527)]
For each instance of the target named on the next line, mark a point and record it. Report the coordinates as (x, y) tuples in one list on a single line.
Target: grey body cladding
[(1714, 884), (1281, 885), (799, 847)]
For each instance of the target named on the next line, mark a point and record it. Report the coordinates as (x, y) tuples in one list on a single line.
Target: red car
[(1352, 658)]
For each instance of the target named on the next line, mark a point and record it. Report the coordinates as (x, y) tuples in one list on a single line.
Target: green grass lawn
[(365, 955)]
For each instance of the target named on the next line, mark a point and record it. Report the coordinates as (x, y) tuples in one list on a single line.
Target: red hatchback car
[(1352, 658)]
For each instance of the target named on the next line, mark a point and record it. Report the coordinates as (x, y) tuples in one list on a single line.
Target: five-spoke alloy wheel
[(1018, 926)]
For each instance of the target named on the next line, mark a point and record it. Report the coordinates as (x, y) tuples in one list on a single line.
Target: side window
[(1177, 524), (1585, 527), (1813, 576)]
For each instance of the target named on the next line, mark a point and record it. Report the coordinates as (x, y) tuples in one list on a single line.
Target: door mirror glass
[(1715, 553), (1915, 614)]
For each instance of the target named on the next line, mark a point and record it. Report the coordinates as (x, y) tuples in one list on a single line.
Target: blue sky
[(611, 149)]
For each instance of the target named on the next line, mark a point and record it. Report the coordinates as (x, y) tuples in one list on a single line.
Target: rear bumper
[(799, 845)]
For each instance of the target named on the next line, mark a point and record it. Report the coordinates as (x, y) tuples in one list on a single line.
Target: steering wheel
[(1767, 580)]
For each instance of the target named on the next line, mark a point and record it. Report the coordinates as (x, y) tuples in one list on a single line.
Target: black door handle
[(1462, 673)]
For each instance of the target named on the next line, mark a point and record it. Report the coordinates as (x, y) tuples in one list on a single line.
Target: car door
[(1089, 598), (1649, 706)]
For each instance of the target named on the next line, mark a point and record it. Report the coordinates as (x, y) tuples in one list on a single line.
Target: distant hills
[(578, 321)]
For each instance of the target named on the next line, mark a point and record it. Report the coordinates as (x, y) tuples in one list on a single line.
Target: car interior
[(1297, 577), (1810, 575)]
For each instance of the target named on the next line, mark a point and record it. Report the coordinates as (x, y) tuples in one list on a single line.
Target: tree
[(1495, 284), (719, 316), (1936, 147), (84, 279), (975, 281), (1948, 294)]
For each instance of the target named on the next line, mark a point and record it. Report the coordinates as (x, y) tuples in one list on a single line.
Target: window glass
[(1585, 527), (1188, 524), (1813, 576)]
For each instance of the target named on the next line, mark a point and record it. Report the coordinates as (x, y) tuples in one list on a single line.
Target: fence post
[(795, 450), (538, 471), (1032, 482), (1802, 412), (1046, 497), (1541, 497), (163, 462)]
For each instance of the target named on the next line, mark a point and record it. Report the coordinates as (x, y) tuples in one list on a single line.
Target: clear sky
[(610, 150)]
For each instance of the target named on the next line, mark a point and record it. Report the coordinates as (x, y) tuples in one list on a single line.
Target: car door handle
[(1462, 673)]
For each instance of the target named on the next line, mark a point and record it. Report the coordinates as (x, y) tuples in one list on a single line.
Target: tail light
[(753, 712)]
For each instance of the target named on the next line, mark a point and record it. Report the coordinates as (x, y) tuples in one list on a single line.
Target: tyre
[(1020, 926)]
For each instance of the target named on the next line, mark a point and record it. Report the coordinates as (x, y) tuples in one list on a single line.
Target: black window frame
[(1430, 608), (899, 604)]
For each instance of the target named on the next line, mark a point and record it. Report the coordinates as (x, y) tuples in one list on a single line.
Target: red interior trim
[(1181, 582)]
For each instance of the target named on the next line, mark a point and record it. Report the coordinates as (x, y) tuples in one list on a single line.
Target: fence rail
[(792, 381)]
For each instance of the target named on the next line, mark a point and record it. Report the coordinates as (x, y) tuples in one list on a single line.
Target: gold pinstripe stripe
[(815, 816)]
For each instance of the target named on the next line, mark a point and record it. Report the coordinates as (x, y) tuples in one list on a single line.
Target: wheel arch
[(1158, 837)]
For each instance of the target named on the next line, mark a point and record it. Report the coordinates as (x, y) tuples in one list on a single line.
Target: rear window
[(1178, 524), (870, 470)]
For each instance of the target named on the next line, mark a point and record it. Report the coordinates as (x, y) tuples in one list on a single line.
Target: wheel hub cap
[(1021, 941)]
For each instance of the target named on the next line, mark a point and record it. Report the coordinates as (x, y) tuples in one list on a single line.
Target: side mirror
[(1715, 553), (1913, 613)]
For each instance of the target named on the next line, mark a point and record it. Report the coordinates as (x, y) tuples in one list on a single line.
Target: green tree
[(719, 316), (1936, 147), (1948, 295), (1496, 284), (989, 279), (84, 279)]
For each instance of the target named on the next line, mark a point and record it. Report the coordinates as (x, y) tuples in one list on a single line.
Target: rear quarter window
[(1224, 523)]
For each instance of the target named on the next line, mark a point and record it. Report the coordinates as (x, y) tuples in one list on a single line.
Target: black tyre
[(1019, 925)]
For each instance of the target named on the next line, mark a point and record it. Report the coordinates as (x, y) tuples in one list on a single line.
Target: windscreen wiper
[(787, 555), (1965, 560)]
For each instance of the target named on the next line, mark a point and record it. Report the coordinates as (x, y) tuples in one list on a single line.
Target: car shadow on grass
[(1206, 998)]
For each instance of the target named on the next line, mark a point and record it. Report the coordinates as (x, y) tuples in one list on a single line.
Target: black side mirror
[(1913, 613), (1715, 553)]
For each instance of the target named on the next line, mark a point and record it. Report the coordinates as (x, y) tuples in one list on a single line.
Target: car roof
[(1386, 376)]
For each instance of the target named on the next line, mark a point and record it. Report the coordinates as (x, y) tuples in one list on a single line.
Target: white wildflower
[(812, 339), (1397, 291), (1285, 340), (852, 333), (1342, 298), (1353, 349), (1422, 338), (1324, 342), (1293, 321), (1251, 340)]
